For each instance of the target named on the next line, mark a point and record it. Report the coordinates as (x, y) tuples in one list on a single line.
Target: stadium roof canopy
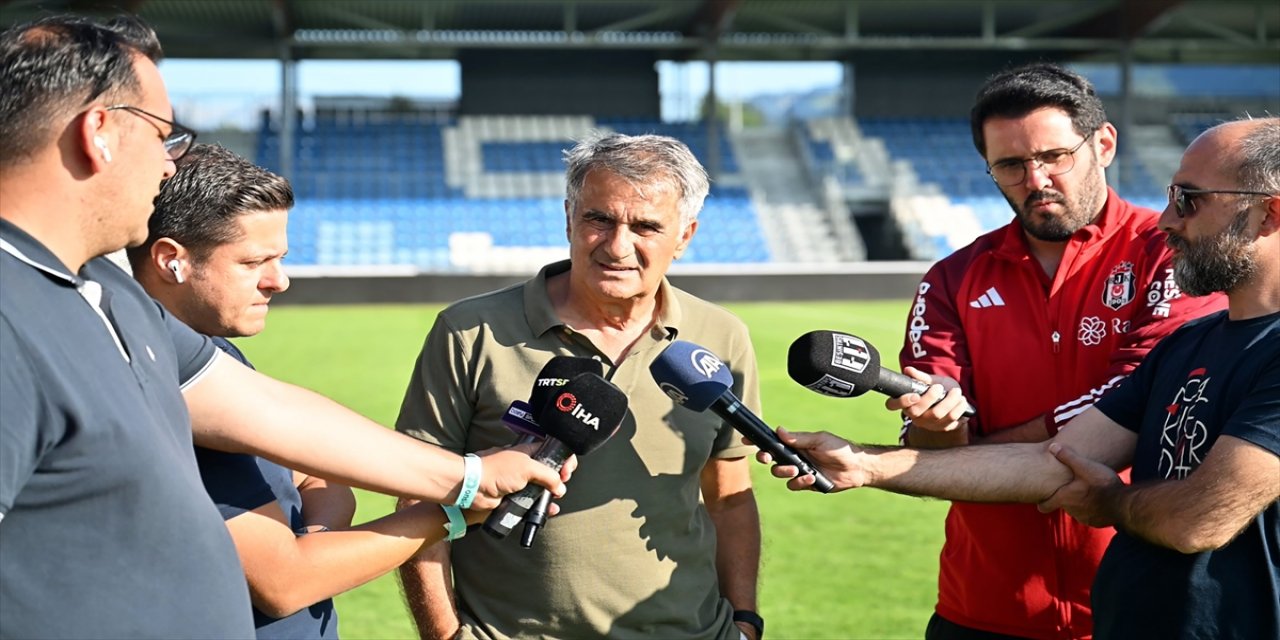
[(1154, 30)]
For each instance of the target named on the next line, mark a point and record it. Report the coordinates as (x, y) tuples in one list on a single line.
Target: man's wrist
[(471, 472), (869, 462), (1115, 502), (751, 618), (456, 525)]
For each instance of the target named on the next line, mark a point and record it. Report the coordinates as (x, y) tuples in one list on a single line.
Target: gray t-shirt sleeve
[(195, 352)]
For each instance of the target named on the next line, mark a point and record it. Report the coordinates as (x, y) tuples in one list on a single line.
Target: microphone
[(698, 380), (579, 418), (519, 419), (843, 366), (520, 416)]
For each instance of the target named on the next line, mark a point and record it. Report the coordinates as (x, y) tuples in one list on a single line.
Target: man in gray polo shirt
[(634, 554), (107, 531)]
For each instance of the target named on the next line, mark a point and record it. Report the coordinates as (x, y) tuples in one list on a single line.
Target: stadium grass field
[(859, 564)]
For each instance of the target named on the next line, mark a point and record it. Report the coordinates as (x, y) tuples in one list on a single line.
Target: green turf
[(860, 564)]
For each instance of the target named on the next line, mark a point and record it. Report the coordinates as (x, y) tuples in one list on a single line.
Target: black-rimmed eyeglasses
[(179, 139), (1183, 199), (1055, 162)]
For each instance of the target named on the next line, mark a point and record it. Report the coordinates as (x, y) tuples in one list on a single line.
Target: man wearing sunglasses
[(1198, 420), (1036, 321), (106, 528)]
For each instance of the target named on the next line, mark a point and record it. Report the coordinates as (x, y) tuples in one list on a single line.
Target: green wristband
[(471, 470), (457, 525)]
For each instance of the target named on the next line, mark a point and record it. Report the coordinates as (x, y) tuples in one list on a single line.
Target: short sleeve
[(24, 435), (195, 352), (437, 407), (234, 481), (1257, 419)]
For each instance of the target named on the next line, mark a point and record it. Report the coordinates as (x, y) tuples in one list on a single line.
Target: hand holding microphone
[(579, 418), (698, 380), (521, 418), (843, 366)]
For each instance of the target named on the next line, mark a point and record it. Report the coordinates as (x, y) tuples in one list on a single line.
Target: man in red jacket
[(1036, 321)]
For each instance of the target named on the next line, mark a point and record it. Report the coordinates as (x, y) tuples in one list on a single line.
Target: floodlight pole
[(1125, 151), (288, 109), (711, 120)]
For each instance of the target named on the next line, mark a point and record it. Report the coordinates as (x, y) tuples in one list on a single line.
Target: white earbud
[(176, 267), (102, 146)]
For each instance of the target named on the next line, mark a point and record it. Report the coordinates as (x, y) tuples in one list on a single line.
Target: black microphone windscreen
[(584, 413), (834, 364), (556, 373)]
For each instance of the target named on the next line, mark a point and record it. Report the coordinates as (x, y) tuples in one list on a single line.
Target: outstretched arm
[(287, 572), (999, 473), (1201, 512), (303, 430)]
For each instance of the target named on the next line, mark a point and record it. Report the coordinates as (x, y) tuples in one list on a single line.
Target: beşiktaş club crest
[(1119, 289), (850, 353)]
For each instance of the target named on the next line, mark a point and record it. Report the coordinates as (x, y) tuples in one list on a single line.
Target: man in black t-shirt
[(1199, 421)]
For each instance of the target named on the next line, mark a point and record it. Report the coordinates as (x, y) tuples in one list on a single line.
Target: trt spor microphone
[(843, 366), (580, 417), (697, 379), (521, 416)]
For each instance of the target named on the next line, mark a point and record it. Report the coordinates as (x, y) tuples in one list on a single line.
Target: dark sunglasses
[(1183, 199)]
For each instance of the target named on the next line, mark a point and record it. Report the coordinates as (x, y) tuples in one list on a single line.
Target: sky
[(212, 92)]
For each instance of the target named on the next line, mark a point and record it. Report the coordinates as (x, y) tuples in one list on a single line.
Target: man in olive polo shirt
[(633, 553)]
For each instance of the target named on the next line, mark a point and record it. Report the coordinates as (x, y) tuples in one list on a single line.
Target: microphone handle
[(894, 384), (512, 509), (534, 520), (731, 410)]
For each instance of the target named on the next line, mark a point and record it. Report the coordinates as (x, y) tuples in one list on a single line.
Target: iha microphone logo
[(568, 403), (705, 362)]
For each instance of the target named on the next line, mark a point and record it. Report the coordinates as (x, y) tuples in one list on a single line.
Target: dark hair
[(644, 161), (198, 206), (1014, 93), (53, 67)]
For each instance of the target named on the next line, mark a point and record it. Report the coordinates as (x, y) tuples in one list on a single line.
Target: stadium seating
[(832, 145), (470, 195), (1223, 81), (941, 152)]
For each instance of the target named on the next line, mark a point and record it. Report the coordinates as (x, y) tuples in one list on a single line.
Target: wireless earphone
[(102, 146), (176, 267)]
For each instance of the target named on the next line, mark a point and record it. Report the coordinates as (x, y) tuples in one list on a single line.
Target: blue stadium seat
[(378, 193)]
